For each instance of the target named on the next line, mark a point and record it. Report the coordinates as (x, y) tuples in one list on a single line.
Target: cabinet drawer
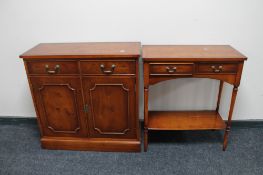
[(107, 67), (171, 68), (52, 67), (217, 68)]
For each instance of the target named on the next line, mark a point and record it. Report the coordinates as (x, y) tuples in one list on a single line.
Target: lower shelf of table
[(185, 120)]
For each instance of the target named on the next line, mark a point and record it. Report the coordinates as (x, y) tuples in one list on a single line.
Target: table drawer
[(108, 67), (52, 67), (217, 68), (171, 68)]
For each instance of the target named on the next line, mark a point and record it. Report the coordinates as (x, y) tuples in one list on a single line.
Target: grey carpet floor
[(182, 152)]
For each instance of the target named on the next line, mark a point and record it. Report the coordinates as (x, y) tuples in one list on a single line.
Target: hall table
[(165, 62)]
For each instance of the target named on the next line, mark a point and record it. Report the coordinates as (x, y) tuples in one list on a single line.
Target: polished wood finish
[(185, 120), (59, 103), (233, 100), (44, 67), (99, 50), (171, 68), (221, 84), (146, 86), (218, 68), (120, 67), (146, 119), (161, 63), (112, 105), (85, 144), (80, 104), (209, 53)]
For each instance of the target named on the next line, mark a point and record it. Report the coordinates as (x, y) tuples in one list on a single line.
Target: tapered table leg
[(145, 139), (228, 126), (145, 119), (219, 95)]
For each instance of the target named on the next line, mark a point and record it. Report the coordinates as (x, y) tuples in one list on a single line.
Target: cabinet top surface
[(84, 50), (191, 53)]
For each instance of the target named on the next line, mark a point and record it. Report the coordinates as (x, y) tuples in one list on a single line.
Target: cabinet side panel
[(34, 100)]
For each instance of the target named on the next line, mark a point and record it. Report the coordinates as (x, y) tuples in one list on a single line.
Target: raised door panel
[(59, 105), (111, 106)]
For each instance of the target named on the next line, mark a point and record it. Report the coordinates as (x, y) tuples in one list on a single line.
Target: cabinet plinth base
[(83, 144)]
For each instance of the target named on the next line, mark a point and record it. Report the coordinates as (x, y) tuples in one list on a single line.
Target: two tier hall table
[(165, 62)]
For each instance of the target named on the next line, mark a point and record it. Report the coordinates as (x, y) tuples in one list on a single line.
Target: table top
[(84, 50), (191, 53)]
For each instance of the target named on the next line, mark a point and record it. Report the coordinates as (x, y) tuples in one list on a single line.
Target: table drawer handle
[(56, 69), (217, 70), (171, 69), (102, 67)]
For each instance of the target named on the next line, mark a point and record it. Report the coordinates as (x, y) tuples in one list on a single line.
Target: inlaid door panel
[(110, 106), (59, 105)]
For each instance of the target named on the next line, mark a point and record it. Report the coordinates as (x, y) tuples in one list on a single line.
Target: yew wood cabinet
[(86, 95), (221, 62)]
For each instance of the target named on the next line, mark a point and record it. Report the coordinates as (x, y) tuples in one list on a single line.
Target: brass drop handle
[(171, 69), (102, 67), (216, 70), (56, 69)]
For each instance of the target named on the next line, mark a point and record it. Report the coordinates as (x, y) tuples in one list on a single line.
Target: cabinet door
[(59, 105), (111, 106)]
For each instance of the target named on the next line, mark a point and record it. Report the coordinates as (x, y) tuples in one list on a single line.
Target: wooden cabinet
[(161, 63), (85, 95)]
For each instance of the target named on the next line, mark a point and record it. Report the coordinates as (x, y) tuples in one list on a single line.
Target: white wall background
[(239, 23)]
